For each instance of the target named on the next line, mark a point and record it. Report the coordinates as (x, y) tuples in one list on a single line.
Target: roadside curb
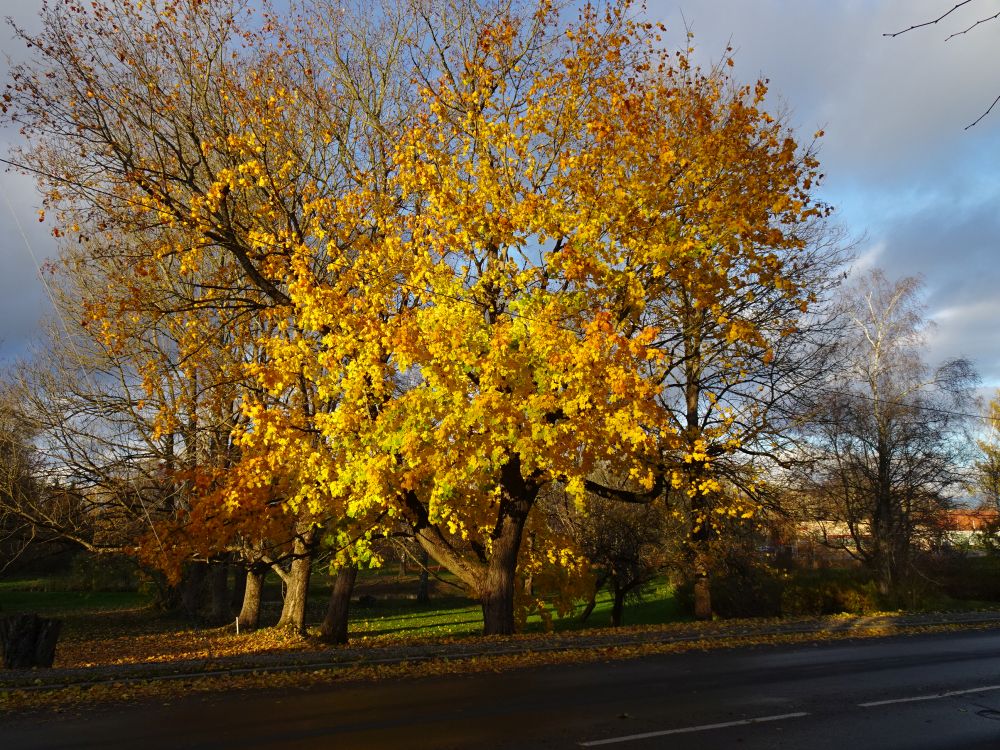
[(709, 634)]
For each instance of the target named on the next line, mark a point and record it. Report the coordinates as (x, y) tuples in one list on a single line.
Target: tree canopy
[(418, 263)]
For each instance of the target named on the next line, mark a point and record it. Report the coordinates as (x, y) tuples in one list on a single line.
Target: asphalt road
[(912, 693)]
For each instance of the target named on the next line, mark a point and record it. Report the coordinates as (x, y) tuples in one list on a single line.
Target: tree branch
[(626, 496), (977, 23), (929, 23), (989, 109)]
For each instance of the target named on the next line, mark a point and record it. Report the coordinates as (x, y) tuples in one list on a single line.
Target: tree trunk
[(28, 641), (293, 612), (193, 588), (890, 567), (592, 603), (702, 597), (497, 599), (218, 577), (168, 596), (496, 594), (424, 589), (249, 617), (334, 627), (239, 587), (529, 579), (617, 607), (884, 526), (699, 470)]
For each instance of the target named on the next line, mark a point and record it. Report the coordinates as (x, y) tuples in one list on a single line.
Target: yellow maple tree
[(445, 247), (498, 330)]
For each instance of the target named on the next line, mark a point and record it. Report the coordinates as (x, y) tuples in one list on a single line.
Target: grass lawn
[(49, 596), (70, 603), (114, 627), (120, 627), (457, 616)]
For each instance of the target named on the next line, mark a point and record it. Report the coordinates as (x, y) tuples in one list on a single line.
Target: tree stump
[(28, 641)]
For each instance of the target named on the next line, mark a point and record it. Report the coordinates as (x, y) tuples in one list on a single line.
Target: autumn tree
[(426, 253), (178, 146), (559, 180), (629, 545), (112, 475), (744, 324), (888, 451), (986, 468), (19, 483), (92, 475)]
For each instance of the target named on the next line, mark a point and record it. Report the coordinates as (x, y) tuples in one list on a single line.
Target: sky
[(918, 192)]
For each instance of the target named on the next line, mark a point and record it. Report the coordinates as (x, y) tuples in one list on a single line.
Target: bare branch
[(966, 30), (980, 21), (929, 23), (989, 109), (627, 496)]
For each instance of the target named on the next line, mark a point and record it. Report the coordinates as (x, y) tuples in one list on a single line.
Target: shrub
[(90, 572), (966, 578), (755, 592), (828, 593), (802, 599)]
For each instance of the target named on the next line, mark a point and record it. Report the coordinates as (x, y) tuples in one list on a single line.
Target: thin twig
[(944, 15), (930, 23), (981, 20), (990, 109)]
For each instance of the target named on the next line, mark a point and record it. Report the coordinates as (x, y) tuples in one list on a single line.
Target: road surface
[(932, 692)]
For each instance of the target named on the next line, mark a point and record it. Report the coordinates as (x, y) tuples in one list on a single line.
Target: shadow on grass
[(461, 616), (395, 611), (451, 627), (71, 602)]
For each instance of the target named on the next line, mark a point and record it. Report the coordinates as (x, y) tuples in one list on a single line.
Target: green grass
[(391, 614), (656, 607), (402, 618), (69, 602), (29, 584), (458, 616), (395, 614), (54, 595)]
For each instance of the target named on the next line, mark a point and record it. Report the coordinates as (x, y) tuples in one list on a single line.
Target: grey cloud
[(955, 248), (24, 244), (899, 165), (959, 330), (892, 108), (901, 169), (23, 241)]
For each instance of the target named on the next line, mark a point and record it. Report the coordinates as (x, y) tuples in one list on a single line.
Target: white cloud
[(869, 257)]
